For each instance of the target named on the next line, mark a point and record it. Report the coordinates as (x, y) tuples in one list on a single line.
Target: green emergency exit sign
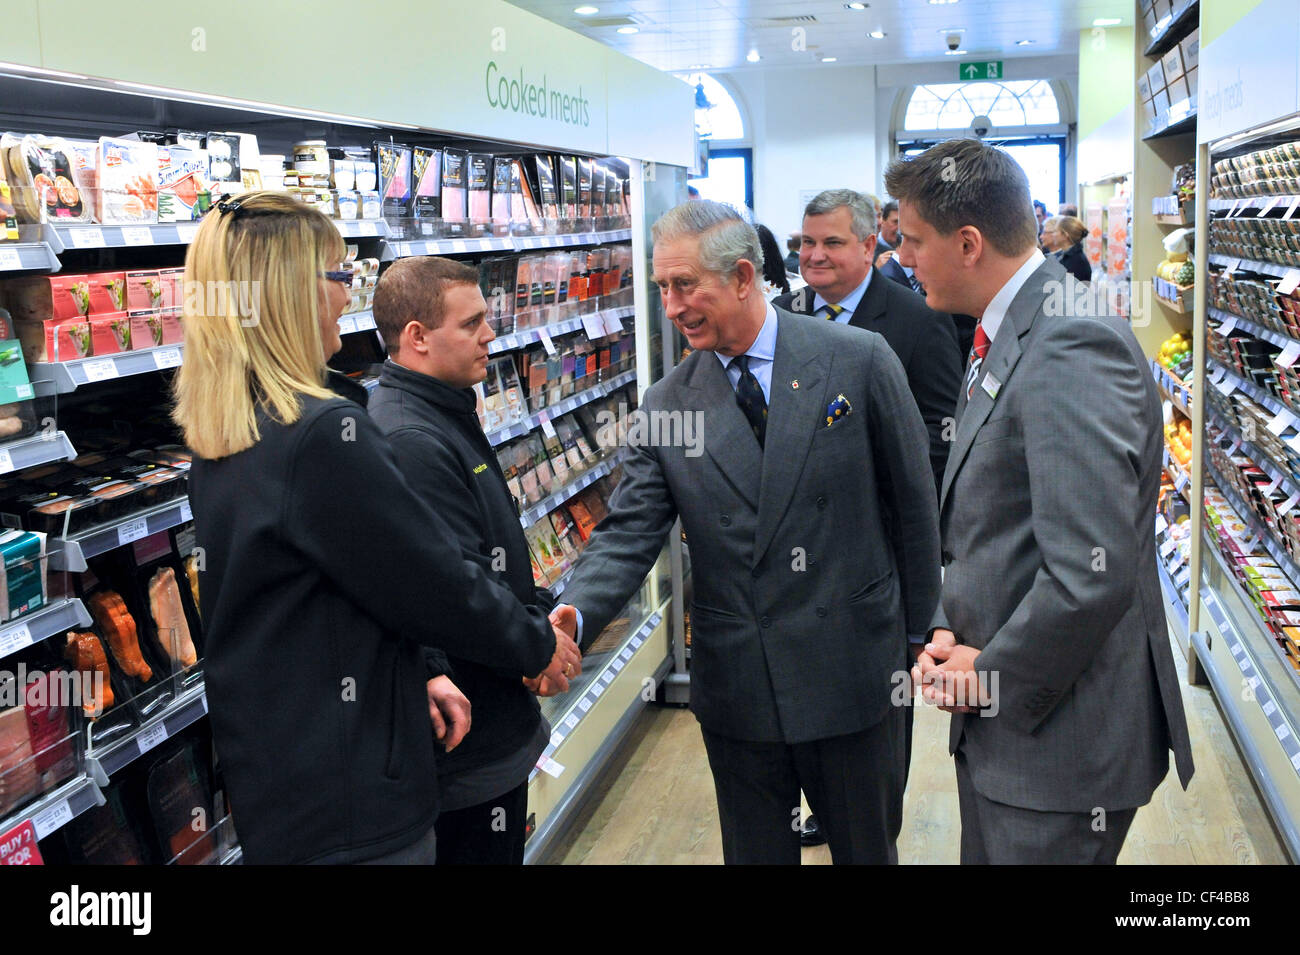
[(980, 71)]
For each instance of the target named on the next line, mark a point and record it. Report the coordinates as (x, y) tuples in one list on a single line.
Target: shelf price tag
[(18, 846), (551, 768), (1283, 420), (597, 689), (347, 324), (1183, 577), (9, 259), (1267, 207), (151, 737), (187, 514), (613, 324), (557, 738), (1168, 548), (367, 228), (132, 531), (1289, 282), (1231, 265), (1289, 355), (1289, 503), (617, 665), (6, 461), (100, 369), (1238, 649), (1161, 524), (1269, 708), (584, 704), (1226, 386), (13, 639), (545, 335), (594, 325), (167, 357), (88, 238), (457, 246), (137, 235), (1282, 731), (607, 677), (1228, 325), (1290, 210), (187, 232), (571, 720), (52, 818), (548, 429)]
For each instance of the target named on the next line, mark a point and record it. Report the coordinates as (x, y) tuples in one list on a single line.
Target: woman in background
[(323, 576), (1063, 235)]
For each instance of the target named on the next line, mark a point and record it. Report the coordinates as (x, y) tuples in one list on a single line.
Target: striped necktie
[(978, 350), (832, 311)]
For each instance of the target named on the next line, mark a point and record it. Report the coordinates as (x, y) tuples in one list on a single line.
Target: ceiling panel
[(682, 34)]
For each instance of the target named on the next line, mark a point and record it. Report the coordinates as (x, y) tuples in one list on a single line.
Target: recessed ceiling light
[(1107, 22), (951, 30), (877, 34), (829, 59), (954, 52), (1024, 42), (700, 66), (628, 31), (855, 6), (941, 2), (753, 56), (586, 11)]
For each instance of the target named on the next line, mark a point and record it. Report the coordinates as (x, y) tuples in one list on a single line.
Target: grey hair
[(725, 235), (861, 209)]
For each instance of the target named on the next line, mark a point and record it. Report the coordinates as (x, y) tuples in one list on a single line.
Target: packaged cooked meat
[(480, 188), (47, 185), (117, 624), (426, 201), (19, 779), (128, 181), (104, 835), (394, 162), (175, 790), (85, 654), (169, 618), (454, 179)]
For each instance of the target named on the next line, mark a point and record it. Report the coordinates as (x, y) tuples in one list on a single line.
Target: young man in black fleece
[(433, 319)]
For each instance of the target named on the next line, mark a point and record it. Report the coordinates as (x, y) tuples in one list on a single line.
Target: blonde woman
[(324, 576), (1063, 236)]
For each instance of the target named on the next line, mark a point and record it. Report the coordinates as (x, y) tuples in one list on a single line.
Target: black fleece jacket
[(324, 576), (448, 461)]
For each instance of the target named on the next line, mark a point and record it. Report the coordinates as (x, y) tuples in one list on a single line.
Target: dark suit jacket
[(1050, 562), (894, 272), (924, 340), (814, 558)]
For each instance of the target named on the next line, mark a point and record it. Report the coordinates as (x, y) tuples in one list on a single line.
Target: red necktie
[(979, 348)]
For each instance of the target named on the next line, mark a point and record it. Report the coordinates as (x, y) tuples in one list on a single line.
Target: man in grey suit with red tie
[(1049, 645), (811, 516)]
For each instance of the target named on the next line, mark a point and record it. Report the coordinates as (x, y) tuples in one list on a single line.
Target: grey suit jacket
[(812, 559), (1047, 515)]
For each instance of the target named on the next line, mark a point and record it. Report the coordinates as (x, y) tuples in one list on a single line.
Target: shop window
[(717, 115), (955, 105)]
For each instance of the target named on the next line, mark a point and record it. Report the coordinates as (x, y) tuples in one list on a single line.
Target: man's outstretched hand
[(567, 661)]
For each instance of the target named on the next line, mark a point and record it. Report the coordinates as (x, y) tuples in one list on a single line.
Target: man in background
[(1049, 646), (887, 240), (792, 256)]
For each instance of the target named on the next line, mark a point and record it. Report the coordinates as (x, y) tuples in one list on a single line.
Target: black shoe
[(812, 834)]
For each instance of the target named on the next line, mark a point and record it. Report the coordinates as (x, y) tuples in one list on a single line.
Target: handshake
[(567, 661)]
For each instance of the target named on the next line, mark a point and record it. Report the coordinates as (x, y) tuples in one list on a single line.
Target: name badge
[(991, 386)]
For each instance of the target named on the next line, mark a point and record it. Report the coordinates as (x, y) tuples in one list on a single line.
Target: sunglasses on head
[(338, 275)]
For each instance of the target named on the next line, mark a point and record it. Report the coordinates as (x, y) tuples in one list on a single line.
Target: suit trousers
[(993, 833), (854, 784)]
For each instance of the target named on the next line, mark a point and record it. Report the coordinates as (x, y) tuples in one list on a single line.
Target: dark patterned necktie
[(832, 311), (749, 395)]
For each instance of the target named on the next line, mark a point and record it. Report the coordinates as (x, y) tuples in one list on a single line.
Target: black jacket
[(448, 462), (1075, 262), (323, 576), (924, 340)]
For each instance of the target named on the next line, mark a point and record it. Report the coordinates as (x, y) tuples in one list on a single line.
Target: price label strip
[(186, 233), (100, 369), (88, 238), (9, 259), (137, 235), (52, 818), (13, 639), (166, 357), (132, 531), (1289, 282), (151, 737), (1288, 356), (6, 461)]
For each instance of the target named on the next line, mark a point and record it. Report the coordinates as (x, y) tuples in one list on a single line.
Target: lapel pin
[(795, 384)]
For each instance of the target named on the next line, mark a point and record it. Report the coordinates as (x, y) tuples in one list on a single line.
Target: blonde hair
[(1073, 229), (251, 317)]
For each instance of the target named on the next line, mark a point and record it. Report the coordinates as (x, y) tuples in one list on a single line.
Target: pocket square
[(837, 409)]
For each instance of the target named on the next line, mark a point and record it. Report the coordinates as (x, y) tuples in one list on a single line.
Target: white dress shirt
[(761, 355), (850, 301), (997, 307)]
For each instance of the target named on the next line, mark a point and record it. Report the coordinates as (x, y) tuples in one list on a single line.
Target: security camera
[(954, 41), (980, 126)]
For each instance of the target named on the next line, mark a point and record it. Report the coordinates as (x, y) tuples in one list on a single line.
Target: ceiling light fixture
[(753, 56), (829, 59), (951, 30), (954, 52), (856, 6), (1024, 43), (877, 34), (628, 31), (586, 11), (1107, 22), (937, 3)]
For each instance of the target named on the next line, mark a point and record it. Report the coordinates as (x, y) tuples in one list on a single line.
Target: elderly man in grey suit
[(813, 530), (1049, 645)]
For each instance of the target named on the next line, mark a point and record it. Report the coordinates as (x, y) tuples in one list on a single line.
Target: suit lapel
[(873, 303), (729, 441), (793, 417), (1001, 361)]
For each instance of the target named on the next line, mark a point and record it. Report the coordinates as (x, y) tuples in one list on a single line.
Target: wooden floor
[(656, 806)]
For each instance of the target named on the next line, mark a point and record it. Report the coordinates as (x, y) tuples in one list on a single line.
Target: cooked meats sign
[(519, 94)]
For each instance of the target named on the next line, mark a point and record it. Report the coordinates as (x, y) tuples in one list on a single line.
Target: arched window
[(955, 105), (716, 114)]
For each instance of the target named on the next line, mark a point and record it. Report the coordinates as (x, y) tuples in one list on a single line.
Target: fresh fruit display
[(1175, 350)]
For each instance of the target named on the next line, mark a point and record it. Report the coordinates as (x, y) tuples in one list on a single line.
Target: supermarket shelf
[(187, 708), (72, 238), (1269, 203), (1181, 303), (63, 377), (535, 513), (71, 553), (1274, 548), (362, 228), (1268, 400), (1178, 27), (43, 448), (521, 428), (356, 322), (1261, 460), (1251, 619), (529, 336), (1173, 389), (1182, 483), (1250, 265), (1228, 692), (55, 809), (55, 617), (1172, 220), (1247, 325), (1176, 609), (1180, 119), (505, 243), (28, 256)]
